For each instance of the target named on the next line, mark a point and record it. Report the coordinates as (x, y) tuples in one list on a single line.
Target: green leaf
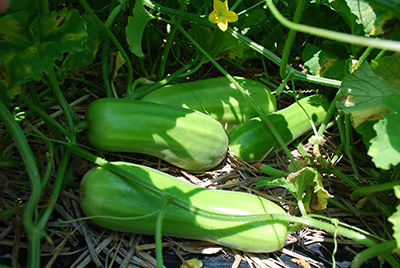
[(362, 92), (385, 147), (390, 5), (251, 22), (322, 15), (63, 31), (203, 36), (372, 17), (316, 197), (134, 29), (307, 179), (395, 220), (323, 63), (388, 69), (5, 94), (367, 16), (90, 47), (366, 130), (223, 45), (23, 5), (310, 179), (26, 53), (343, 9), (268, 181), (217, 43), (255, 17)]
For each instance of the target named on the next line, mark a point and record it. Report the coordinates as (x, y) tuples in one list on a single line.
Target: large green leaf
[(362, 92), (27, 50), (251, 22), (388, 69), (391, 5), (14, 37), (359, 14), (366, 130), (90, 47), (385, 147), (342, 7), (23, 5)]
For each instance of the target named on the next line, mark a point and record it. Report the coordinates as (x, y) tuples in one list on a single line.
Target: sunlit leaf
[(395, 220), (362, 92), (134, 29), (310, 180), (369, 17), (307, 179), (385, 147)]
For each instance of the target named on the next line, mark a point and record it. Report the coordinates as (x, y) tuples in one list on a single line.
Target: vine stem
[(158, 233), (167, 48), (69, 113), (41, 224), (48, 119), (367, 254), (105, 50), (290, 38), (50, 159), (34, 234), (325, 123), (348, 138), (374, 188)]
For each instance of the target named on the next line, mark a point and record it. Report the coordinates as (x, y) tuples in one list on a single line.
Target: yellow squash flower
[(221, 15)]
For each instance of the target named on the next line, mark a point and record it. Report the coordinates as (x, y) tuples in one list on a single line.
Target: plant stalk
[(290, 39), (34, 234)]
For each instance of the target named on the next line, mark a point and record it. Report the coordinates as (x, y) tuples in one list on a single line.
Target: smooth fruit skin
[(252, 139), (218, 98), (103, 193), (185, 138)]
